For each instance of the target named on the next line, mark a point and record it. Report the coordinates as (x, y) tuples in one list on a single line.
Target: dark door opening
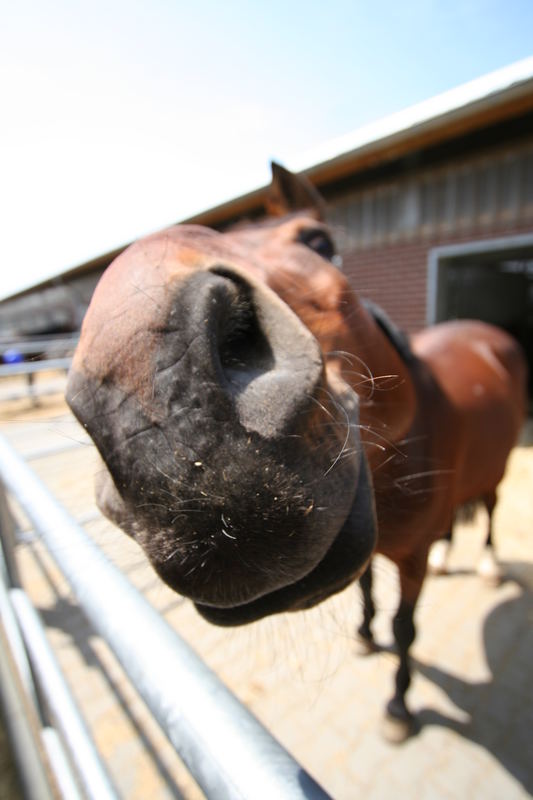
[(495, 287)]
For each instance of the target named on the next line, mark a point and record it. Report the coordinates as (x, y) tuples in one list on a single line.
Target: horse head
[(212, 378)]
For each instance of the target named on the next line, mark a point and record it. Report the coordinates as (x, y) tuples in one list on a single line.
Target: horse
[(264, 431)]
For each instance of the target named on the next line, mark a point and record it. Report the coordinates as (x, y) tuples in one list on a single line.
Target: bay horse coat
[(262, 431)]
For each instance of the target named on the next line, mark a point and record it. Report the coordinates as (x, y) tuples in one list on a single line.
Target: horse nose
[(246, 341)]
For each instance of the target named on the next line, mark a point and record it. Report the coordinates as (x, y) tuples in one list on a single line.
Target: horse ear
[(289, 192)]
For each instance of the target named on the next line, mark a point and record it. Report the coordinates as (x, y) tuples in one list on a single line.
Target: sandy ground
[(9, 785), (300, 674)]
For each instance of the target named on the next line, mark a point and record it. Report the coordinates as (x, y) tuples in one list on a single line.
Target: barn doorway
[(491, 281)]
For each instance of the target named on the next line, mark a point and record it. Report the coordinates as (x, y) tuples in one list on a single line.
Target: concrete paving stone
[(439, 739), (128, 738), (492, 784), (499, 704), (458, 658), (443, 789), (516, 744), (300, 673), (344, 786), (371, 757), (427, 789), (387, 784), (514, 673), (436, 707), (128, 761), (419, 759), (524, 647), (324, 747), (460, 772), (355, 718)]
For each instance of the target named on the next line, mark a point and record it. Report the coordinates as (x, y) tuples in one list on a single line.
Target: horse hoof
[(364, 646), (397, 730), (438, 557), (489, 570)]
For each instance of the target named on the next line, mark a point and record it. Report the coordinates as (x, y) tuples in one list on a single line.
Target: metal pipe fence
[(226, 749), (31, 367), (52, 345)]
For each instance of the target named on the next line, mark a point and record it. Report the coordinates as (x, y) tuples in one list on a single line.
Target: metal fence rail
[(24, 726), (37, 703), (228, 752), (31, 367), (52, 345)]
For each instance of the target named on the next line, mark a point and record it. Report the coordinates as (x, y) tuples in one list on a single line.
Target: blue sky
[(119, 117)]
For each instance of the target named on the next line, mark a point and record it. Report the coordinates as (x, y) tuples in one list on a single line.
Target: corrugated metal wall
[(473, 194), (386, 230)]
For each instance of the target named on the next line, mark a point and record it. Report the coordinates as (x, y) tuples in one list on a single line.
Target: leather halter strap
[(395, 335)]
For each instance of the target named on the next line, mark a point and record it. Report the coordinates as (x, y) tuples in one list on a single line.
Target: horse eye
[(318, 241)]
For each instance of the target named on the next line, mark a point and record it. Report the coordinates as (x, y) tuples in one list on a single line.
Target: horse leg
[(488, 567), (364, 632), (399, 722), (438, 554), (30, 377)]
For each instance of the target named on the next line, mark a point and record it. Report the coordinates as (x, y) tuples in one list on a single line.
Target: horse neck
[(381, 378), (356, 348)]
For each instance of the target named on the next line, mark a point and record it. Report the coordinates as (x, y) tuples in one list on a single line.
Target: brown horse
[(238, 392)]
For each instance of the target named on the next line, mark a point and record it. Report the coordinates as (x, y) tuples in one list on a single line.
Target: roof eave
[(494, 98), (375, 147)]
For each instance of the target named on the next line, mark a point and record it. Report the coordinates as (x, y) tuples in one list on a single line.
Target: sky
[(119, 117)]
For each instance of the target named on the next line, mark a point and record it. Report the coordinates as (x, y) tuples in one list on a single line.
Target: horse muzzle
[(227, 456)]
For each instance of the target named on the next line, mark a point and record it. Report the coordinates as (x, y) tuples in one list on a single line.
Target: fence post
[(7, 537)]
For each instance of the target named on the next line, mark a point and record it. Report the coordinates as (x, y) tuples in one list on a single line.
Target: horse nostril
[(247, 344), (243, 349)]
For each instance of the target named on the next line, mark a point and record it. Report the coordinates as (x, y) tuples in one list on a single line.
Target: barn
[(432, 210)]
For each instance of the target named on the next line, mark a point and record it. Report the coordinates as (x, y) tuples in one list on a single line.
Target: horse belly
[(482, 373), (489, 435)]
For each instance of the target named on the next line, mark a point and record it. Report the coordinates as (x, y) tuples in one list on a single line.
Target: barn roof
[(493, 98)]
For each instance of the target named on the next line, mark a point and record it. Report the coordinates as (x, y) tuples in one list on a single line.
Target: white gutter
[(429, 113)]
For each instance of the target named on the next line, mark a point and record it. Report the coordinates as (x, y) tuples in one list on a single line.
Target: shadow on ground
[(500, 709), (65, 615), (69, 618)]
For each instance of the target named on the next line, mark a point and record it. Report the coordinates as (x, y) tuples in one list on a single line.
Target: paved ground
[(301, 674)]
